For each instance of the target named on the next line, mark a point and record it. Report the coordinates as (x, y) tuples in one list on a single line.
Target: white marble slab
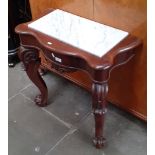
[(82, 33)]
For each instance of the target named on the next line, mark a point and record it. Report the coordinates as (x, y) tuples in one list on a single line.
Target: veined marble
[(82, 33)]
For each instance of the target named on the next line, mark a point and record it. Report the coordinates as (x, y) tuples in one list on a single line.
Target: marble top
[(82, 33)]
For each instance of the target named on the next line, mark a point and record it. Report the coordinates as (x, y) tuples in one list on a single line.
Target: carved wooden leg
[(99, 92), (31, 61)]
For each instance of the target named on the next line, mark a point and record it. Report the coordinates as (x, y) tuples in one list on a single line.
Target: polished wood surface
[(79, 7), (129, 93), (97, 67), (72, 59)]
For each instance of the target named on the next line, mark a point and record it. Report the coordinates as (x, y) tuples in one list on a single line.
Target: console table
[(72, 43)]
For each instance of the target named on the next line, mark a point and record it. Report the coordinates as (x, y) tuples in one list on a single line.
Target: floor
[(66, 126)]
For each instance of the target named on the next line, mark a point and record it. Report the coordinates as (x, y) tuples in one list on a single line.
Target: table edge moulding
[(69, 56)]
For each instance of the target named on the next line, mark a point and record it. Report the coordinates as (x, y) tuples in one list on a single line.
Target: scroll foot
[(38, 101)]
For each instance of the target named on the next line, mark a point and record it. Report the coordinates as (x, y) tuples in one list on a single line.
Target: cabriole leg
[(31, 61)]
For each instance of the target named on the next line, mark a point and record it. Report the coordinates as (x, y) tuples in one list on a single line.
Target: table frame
[(66, 58)]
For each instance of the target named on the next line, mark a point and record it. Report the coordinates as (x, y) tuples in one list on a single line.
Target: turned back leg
[(99, 92)]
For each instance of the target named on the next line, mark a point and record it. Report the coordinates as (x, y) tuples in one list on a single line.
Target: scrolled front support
[(31, 61), (99, 93)]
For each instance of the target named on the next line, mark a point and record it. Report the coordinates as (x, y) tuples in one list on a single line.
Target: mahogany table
[(72, 43)]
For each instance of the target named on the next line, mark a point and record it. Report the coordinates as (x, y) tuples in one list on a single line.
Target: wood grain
[(72, 59), (80, 7), (127, 91)]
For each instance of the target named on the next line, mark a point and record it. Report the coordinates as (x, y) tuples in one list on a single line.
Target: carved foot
[(38, 100), (99, 142)]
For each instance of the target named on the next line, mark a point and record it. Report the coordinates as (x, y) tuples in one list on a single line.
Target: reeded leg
[(31, 61), (99, 92)]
